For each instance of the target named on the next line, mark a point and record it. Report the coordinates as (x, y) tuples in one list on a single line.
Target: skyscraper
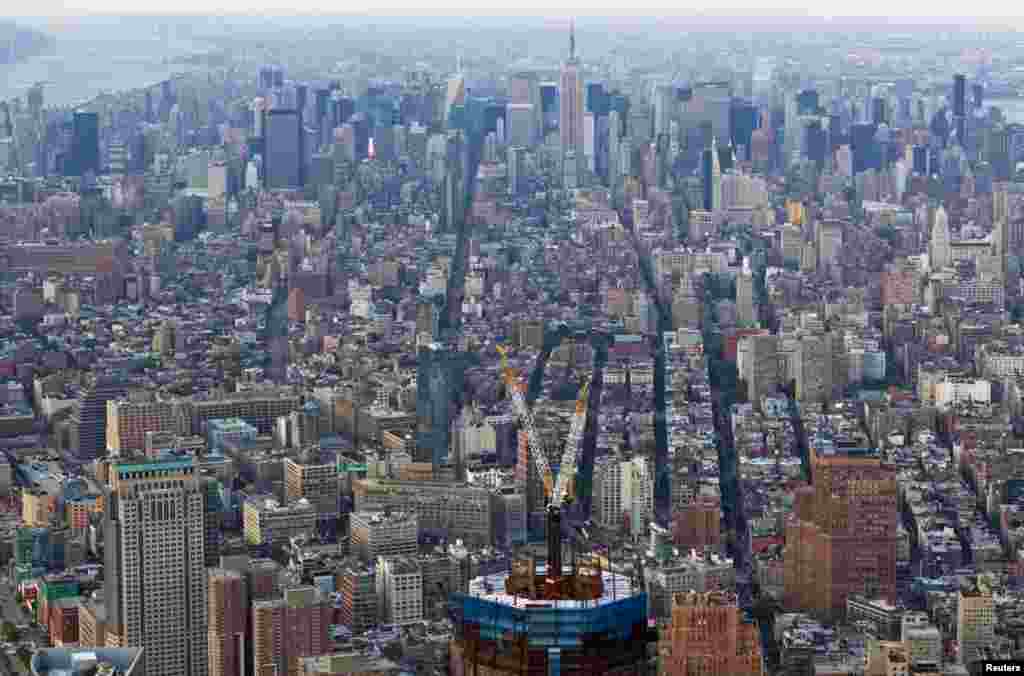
[(570, 102), (283, 160), (960, 108), (89, 417), (436, 406), (85, 145), (938, 248), (712, 176), (155, 576)]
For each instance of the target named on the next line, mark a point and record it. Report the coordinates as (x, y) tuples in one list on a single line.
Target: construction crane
[(556, 493)]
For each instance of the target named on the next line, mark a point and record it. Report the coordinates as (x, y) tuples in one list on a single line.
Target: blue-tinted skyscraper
[(549, 105), (865, 149), (807, 102), (960, 108), (742, 124), (361, 126), (85, 145), (282, 159), (439, 378)]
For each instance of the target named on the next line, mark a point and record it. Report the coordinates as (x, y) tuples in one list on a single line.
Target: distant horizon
[(109, 9)]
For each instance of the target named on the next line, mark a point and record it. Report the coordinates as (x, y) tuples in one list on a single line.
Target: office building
[(155, 574), (960, 108), (922, 639), (841, 539), (452, 510), (521, 124), (227, 610), (266, 522), (357, 587), (758, 365), (622, 489), (437, 402), (284, 630), (283, 159), (570, 102), (313, 477), (939, 247), (399, 589), (374, 534), (85, 145), (811, 369), (975, 623), (259, 408), (89, 416), (709, 635), (745, 310), (129, 420)]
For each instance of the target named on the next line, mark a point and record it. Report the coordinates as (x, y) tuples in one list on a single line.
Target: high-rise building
[(709, 635), (399, 589), (758, 365), (975, 623), (89, 417), (811, 371), (284, 630), (85, 145), (374, 534), (282, 163), (960, 108), (712, 176), (227, 610), (357, 586), (155, 574), (314, 478), (521, 124), (128, 421), (570, 102), (841, 539), (744, 298), (535, 622), (435, 407), (939, 251)]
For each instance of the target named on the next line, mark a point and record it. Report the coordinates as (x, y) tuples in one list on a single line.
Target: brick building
[(841, 539)]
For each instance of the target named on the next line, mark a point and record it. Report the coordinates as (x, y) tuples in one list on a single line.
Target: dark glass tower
[(960, 108), (283, 152), (85, 145)]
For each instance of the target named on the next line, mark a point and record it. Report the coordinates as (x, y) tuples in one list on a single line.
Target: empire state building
[(570, 103)]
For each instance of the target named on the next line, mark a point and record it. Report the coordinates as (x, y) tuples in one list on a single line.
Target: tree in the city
[(8, 632)]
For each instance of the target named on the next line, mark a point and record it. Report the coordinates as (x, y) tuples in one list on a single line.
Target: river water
[(102, 56)]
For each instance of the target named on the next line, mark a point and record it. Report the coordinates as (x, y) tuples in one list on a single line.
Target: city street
[(12, 612)]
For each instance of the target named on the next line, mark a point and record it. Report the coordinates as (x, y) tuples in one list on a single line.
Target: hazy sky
[(982, 10)]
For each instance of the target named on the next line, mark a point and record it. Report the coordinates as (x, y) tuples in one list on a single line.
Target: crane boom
[(567, 469), (525, 416)]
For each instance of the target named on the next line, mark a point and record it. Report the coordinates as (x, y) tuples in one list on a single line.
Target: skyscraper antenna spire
[(572, 39)]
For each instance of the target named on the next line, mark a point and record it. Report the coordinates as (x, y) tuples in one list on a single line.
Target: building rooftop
[(73, 661), (615, 587)]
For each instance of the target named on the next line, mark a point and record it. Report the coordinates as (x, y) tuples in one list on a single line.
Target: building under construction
[(527, 623)]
